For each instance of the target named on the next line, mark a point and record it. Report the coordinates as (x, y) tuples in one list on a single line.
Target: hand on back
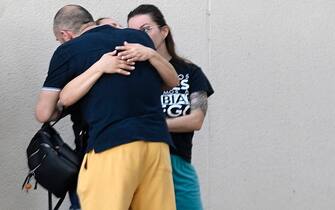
[(110, 63), (132, 52)]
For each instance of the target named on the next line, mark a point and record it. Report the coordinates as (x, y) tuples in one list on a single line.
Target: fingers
[(123, 72), (125, 50), (112, 53), (131, 52), (127, 56), (130, 62), (125, 43), (114, 64), (126, 46), (120, 48), (123, 53), (125, 66), (124, 69)]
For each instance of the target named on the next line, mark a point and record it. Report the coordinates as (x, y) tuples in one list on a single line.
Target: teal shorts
[(186, 185)]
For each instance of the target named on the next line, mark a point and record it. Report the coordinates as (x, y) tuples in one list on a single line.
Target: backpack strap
[(49, 200), (56, 121), (60, 201)]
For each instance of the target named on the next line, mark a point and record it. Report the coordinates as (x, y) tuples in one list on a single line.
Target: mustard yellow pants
[(135, 176)]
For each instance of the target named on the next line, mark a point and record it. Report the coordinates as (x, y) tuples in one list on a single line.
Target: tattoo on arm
[(199, 101)]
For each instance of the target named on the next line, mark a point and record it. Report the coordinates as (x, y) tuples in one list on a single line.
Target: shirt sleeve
[(58, 73), (199, 81)]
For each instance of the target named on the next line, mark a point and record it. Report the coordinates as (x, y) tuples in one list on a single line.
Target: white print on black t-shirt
[(175, 102)]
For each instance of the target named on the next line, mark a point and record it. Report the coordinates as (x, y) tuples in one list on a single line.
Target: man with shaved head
[(127, 164)]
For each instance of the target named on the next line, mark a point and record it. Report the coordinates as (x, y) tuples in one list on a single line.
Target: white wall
[(267, 142)]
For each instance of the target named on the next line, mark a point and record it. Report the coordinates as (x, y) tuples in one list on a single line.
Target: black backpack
[(52, 163)]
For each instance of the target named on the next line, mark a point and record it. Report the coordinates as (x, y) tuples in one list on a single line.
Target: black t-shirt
[(118, 109), (176, 102)]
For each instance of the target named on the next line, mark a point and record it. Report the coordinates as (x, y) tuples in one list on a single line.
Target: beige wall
[(268, 140)]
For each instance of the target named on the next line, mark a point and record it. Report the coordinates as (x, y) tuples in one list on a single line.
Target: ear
[(165, 30), (66, 35)]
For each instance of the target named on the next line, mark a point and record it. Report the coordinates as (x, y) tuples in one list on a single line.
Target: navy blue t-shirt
[(118, 109), (176, 102)]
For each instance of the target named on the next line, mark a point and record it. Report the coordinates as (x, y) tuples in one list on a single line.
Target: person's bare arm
[(79, 86), (47, 107), (195, 119), (136, 52)]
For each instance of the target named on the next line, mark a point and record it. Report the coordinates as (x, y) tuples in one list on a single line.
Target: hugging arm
[(79, 86), (136, 52), (47, 107), (121, 64)]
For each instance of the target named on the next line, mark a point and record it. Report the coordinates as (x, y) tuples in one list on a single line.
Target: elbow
[(197, 126), (42, 115), (198, 122)]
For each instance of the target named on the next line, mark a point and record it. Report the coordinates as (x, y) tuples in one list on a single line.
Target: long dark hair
[(157, 16)]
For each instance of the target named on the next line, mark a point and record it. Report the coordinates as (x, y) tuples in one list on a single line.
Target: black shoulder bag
[(52, 163)]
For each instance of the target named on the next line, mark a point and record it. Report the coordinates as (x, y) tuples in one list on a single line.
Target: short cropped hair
[(71, 17)]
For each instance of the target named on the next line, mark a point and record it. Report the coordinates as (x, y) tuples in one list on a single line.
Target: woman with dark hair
[(185, 106)]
